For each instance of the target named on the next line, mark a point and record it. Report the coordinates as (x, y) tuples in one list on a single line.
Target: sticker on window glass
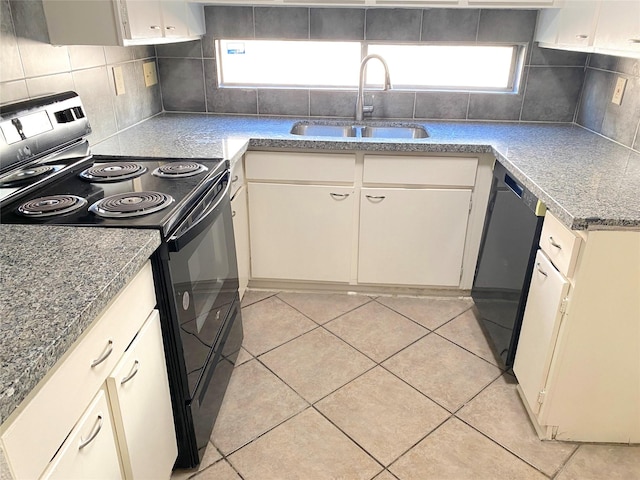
[(236, 48)]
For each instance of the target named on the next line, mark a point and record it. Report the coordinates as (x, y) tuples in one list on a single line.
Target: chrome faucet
[(361, 108)]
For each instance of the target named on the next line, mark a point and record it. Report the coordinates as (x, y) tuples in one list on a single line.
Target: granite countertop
[(586, 180), (54, 281)]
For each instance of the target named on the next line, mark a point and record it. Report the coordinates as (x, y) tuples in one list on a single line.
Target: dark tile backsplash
[(31, 67)]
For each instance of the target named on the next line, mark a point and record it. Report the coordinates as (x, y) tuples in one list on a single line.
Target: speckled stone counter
[(54, 281), (586, 180)]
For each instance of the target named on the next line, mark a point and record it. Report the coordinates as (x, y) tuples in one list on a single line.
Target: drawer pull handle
[(339, 195), (554, 243), (582, 37), (94, 433), (154, 27), (171, 27), (375, 197), (634, 40), (104, 356), (540, 269), (233, 213), (134, 371), (234, 179)]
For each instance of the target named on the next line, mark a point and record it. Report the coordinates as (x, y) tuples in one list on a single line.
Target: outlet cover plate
[(118, 80), (150, 74), (619, 91)]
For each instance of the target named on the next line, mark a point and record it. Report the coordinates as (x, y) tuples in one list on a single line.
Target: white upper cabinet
[(610, 27), (399, 3), (122, 22)]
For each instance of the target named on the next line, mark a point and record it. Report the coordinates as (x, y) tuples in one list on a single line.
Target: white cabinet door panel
[(139, 392), (174, 18), (300, 232), (145, 18), (540, 327), (412, 236), (241, 235)]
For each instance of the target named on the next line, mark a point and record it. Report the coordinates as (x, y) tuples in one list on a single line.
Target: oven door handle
[(178, 240)]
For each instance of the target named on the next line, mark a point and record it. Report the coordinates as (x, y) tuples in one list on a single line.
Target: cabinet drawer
[(305, 167), (415, 170), (63, 395), (237, 176), (560, 244)]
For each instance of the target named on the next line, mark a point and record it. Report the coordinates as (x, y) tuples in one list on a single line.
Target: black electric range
[(49, 177)]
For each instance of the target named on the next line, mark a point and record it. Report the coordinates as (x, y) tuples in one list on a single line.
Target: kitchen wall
[(596, 111), (31, 67), (550, 88)]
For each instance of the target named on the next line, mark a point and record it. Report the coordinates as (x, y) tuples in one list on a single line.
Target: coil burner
[(113, 172), (51, 205), (136, 204), (179, 170), (26, 176)]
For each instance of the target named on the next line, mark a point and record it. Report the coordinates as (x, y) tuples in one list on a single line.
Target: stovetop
[(180, 193)]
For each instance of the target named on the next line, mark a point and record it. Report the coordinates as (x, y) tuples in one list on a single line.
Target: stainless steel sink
[(323, 130), (342, 130), (396, 131)]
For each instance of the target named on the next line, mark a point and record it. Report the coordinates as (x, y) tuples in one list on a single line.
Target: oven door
[(204, 277)]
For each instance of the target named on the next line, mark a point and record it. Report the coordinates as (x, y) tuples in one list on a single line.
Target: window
[(335, 65)]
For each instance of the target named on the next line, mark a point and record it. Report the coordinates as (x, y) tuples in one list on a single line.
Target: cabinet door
[(412, 237), (174, 18), (578, 23), (540, 327), (145, 18), (241, 234), (301, 232), (139, 391), (619, 27), (90, 450)]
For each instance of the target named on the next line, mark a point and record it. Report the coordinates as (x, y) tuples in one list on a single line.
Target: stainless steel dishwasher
[(507, 252)]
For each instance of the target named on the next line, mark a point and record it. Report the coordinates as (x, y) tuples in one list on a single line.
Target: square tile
[(211, 456), (385, 475), (501, 25), (428, 312), (382, 414), (443, 371), (376, 330), (270, 323), (596, 95), (391, 104), (336, 23), (316, 364), (283, 102), (450, 24), (182, 81), (283, 23), (50, 84), (332, 103), (255, 401), (465, 331), (498, 412), (618, 462), (456, 451), (442, 105), (243, 357), (552, 93), (305, 447), (218, 471), (620, 121), (322, 307), (399, 24), (253, 296), (495, 106)]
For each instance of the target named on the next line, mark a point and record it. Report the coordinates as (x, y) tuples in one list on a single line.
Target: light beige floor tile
[(443, 371), (220, 471), (211, 455), (270, 323), (322, 307), (375, 330), (385, 476), (456, 451), (384, 415), (243, 357), (464, 330), (306, 447), (316, 364), (252, 296), (255, 401), (603, 462), (429, 312), (498, 413)]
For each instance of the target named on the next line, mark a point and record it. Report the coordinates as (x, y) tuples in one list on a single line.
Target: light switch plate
[(118, 79), (619, 91), (150, 75)]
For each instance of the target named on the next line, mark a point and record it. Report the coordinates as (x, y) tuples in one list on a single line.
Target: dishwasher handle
[(514, 186)]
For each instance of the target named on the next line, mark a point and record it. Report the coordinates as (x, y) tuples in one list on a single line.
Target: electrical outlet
[(118, 79), (619, 91), (150, 75)]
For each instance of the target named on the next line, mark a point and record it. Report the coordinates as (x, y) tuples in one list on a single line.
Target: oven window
[(205, 282)]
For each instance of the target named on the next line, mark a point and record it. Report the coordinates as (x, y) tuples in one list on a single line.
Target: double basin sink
[(342, 130)]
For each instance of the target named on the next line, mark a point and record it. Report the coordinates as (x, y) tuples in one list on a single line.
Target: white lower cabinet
[(301, 232), (540, 327), (412, 236), (90, 451), (241, 234), (139, 394)]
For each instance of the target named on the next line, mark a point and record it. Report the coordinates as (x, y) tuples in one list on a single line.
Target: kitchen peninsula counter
[(586, 180), (54, 282)]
